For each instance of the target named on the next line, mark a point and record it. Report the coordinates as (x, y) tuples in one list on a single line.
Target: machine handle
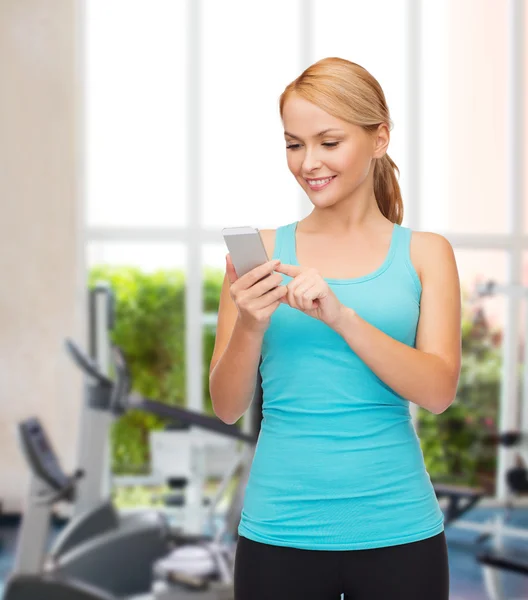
[(86, 364), (65, 493)]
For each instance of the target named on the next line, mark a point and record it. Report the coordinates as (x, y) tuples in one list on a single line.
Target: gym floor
[(466, 576)]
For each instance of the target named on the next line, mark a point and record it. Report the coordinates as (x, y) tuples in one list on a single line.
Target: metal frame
[(184, 235), (93, 447), (509, 404), (414, 115)]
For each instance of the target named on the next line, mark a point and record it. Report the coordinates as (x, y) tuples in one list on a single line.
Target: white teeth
[(319, 181)]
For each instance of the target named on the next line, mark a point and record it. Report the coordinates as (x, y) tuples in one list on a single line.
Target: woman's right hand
[(257, 294)]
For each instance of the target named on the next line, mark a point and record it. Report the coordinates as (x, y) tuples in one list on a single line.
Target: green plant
[(453, 442), (150, 328), (137, 495)]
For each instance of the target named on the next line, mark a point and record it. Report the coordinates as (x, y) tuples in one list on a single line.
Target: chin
[(317, 198)]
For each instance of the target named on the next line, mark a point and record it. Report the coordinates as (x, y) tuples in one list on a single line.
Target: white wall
[(41, 268)]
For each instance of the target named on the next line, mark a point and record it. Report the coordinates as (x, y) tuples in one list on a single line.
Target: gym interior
[(123, 124)]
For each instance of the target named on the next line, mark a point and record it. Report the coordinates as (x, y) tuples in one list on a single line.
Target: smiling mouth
[(319, 184)]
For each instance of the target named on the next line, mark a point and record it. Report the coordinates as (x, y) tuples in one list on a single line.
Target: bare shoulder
[(268, 239), (430, 251)]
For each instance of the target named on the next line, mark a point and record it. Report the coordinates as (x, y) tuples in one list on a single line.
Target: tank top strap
[(402, 254), (284, 249)]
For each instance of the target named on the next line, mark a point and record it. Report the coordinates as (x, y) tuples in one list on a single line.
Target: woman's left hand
[(311, 294)]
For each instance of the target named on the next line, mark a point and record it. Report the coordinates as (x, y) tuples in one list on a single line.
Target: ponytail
[(387, 189)]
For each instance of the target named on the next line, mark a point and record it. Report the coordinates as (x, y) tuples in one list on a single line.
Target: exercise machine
[(91, 511), (138, 562), (182, 567), (460, 499), (514, 448), (498, 559), (203, 454)]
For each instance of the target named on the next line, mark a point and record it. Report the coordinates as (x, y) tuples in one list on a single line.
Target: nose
[(310, 162)]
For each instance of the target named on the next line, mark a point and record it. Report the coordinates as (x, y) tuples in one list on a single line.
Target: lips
[(321, 186)]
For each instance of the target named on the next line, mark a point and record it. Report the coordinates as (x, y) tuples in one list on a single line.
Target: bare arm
[(239, 335), (232, 379)]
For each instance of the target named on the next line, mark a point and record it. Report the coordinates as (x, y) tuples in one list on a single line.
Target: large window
[(183, 133)]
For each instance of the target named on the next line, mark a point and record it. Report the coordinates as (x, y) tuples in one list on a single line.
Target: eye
[(328, 144)]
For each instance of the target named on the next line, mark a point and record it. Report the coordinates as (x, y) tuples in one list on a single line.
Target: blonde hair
[(349, 92)]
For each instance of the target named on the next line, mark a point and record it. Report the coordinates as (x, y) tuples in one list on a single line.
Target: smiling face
[(343, 153)]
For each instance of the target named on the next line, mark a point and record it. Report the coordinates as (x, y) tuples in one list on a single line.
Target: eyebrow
[(321, 133)]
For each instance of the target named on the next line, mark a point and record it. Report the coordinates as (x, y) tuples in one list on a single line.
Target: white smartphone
[(246, 248)]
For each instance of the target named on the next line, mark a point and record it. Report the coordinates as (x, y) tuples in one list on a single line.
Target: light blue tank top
[(338, 464)]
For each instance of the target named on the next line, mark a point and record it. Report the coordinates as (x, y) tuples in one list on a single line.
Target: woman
[(366, 321)]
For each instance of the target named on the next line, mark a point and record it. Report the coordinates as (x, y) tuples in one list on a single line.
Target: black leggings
[(413, 571)]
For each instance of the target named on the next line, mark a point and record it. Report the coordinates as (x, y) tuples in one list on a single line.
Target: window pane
[(479, 266), (146, 256), (478, 86), (249, 56), (214, 256), (135, 113)]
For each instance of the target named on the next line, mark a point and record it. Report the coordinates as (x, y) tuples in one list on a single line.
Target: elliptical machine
[(34, 576)]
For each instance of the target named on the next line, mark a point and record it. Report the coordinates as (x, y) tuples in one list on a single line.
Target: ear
[(381, 140)]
